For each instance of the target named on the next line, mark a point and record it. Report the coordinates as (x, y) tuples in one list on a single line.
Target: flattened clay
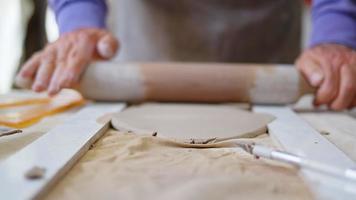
[(189, 121)]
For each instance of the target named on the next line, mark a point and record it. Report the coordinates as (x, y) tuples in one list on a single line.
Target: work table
[(337, 127)]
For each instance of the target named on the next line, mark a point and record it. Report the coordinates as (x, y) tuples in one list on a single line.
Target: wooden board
[(59, 149), (338, 128), (55, 152), (296, 136)]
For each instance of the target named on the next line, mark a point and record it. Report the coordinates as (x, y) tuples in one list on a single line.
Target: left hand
[(331, 68), (61, 63)]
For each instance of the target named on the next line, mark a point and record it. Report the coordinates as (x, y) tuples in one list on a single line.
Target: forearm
[(76, 14), (334, 21)]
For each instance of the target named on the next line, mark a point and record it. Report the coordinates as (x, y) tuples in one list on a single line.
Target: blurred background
[(27, 25)]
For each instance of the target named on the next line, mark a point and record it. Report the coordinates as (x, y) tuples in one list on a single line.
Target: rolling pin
[(193, 82)]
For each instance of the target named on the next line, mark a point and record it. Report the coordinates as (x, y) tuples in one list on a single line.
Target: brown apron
[(259, 31)]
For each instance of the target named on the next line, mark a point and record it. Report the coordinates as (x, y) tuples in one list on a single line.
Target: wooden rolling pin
[(193, 82)]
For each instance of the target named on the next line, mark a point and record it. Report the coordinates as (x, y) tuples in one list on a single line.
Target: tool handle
[(330, 170), (194, 82)]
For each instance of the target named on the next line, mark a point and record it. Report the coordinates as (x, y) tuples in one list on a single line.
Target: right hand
[(61, 63), (331, 68)]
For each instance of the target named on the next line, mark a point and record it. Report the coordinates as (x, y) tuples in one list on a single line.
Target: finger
[(78, 60), (61, 63), (347, 89), (67, 73), (328, 90), (29, 69), (63, 52), (45, 69), (353, 103), (44, 74), (23, 82), (62, 59), (311, 70), (73, 72), (107, 46), (25, 77), (54, 86)]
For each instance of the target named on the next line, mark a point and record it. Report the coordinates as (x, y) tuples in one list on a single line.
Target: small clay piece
[(35, 173), (91, 146), (200, 141), (194, 123), (208, 141), (324, 133), (5, 132)]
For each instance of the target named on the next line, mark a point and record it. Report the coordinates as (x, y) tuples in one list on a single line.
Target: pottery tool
[(300, 162), (31, 171), (296, 136), (194, 82)]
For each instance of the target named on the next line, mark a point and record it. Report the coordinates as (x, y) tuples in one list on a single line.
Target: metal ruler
[(31, 171)]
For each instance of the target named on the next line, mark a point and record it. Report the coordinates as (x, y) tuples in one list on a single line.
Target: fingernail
[(105, 49), (316, 79), (51, 90), (38, 87), (23, 82), (24, 74), (35, 88)]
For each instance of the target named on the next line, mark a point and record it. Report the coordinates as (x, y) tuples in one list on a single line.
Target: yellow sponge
[(25, 112)]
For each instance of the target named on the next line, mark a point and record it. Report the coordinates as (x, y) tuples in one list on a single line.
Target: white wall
[(14, 15), (51, 26)]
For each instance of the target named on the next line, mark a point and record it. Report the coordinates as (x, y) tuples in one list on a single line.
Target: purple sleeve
[(334, 21), (75, 14)]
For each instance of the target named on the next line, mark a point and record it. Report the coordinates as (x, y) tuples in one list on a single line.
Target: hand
[(62, 62), (331, 68)]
